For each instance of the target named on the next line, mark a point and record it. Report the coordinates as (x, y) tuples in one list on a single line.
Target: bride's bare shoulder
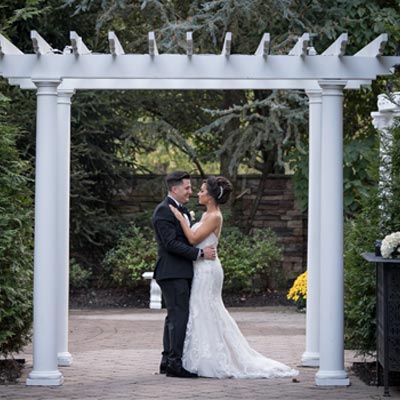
[(212, 221), (215, 215)]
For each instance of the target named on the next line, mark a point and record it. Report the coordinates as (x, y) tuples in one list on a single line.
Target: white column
[(63, 192), (310, 357), (331, 371), (45, 370)]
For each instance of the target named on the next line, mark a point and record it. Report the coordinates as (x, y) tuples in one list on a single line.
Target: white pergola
[(56, 75)]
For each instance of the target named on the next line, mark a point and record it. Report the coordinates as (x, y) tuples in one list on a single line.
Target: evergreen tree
[(272, 135), (16, 240)]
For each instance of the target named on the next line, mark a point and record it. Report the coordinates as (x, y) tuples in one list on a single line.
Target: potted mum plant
[(298, 292)]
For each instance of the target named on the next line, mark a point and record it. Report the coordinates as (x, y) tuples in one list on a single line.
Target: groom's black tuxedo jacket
[(175, 254)]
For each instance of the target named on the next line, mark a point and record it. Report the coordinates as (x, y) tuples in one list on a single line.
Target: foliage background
[(16, 240), (379, 217), (250, 262)]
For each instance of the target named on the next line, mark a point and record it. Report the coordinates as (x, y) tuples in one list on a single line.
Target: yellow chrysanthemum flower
[(298, 292)]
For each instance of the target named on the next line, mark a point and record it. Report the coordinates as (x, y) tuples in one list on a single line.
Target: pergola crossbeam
[(226, 49), (40, 46), (116, 48), (78, 46), (196, 68), (375, 48), (338, 47), (300, 49), (189, 43), (153, 51), (263, 47), (7, 48), (182, 84)]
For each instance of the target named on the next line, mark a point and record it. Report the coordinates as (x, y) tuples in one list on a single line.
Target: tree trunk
[(230, 98)]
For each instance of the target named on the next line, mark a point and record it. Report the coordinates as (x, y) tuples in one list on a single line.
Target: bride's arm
[(208, 225)]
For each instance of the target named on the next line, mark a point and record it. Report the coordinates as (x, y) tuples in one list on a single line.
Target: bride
[(214, 346)]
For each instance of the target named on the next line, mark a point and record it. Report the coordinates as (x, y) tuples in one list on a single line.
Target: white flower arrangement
[(192, 215), (391, 245)]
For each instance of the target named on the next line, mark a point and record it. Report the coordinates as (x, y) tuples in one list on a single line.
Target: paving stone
[(116, 355)]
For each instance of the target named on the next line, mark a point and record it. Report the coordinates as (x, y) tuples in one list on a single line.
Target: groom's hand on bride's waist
[(210, 253)]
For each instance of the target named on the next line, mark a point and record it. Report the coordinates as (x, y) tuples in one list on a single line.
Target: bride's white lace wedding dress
[(214, 346)]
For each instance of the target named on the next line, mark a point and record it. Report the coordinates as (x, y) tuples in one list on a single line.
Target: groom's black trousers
[(176, 294)]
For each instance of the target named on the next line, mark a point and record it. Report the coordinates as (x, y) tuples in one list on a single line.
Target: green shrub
[(249, 258), (245, 259), (134, 253), (355, 166), (360, 296), (16, 243), (79, 277)]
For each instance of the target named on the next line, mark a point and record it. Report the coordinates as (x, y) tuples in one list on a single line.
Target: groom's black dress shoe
[(163, 367), (179, 372), (163, 364)]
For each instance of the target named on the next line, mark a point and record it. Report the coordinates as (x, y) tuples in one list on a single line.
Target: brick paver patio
[(116, 355)]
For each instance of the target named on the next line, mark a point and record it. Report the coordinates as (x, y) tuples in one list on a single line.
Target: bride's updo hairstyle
[(219, 188)]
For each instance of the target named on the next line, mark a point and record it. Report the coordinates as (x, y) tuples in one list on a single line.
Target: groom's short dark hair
[(175, 178)]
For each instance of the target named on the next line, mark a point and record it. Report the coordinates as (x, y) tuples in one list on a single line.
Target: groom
[(174, 271)]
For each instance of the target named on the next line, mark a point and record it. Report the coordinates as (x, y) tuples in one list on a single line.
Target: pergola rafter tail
[(301, 48)]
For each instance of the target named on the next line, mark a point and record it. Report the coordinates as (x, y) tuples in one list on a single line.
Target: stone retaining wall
[(277, 209)]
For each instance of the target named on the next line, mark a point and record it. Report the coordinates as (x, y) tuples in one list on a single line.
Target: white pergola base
[(332, 378), (64, 359), (45, 378), (324, 77), (309, 359)]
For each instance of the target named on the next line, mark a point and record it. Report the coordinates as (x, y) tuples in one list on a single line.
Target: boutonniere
[(192, 215)]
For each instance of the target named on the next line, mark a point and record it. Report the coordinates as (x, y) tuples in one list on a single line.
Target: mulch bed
[(10, 370), (94, 298), (366, 371)]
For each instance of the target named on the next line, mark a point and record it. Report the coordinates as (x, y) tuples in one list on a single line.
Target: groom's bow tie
[(183, 209)]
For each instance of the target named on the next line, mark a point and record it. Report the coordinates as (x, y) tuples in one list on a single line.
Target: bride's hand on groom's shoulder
[(176, 212)]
